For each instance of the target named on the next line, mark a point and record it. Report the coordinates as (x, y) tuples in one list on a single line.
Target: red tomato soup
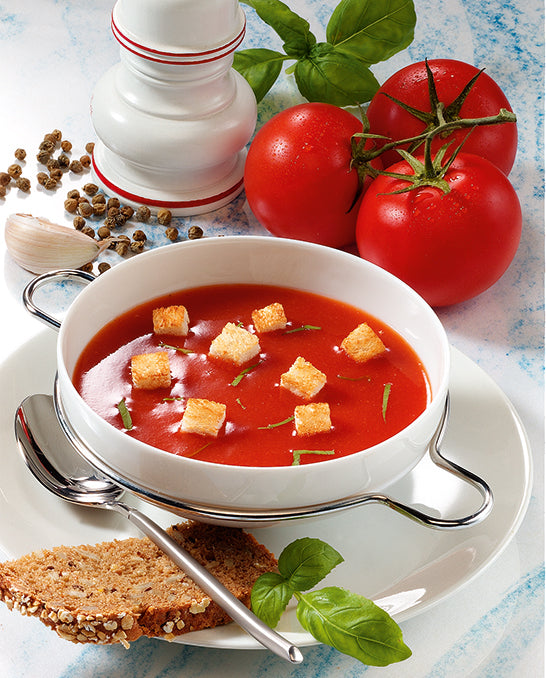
[(369, 402)]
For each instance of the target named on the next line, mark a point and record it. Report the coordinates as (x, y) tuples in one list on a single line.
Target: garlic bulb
[(39, 245)]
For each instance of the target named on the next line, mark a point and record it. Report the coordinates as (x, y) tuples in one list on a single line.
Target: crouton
[(362, 344), (303, 378), (171, 320), (269, 318), (235, 345), (204, 417), (312, 418), (151, 370)]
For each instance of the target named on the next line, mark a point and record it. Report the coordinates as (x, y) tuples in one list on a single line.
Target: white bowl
[(252, 259)]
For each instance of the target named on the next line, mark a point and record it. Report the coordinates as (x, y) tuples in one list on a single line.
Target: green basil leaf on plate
[(269, 597), (306, 561), (353, 625)]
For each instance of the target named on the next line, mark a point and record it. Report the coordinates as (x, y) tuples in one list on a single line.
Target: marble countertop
[(53, 52)]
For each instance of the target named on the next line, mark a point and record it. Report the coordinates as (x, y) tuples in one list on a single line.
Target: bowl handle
[(44, 279)]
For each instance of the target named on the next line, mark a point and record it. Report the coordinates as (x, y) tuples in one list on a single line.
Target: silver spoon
[(56, 464)]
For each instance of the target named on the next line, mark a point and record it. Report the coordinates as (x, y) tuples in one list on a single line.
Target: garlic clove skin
[(39, 245)]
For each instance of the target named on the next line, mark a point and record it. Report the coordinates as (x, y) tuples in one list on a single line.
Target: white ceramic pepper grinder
[(173, 117)]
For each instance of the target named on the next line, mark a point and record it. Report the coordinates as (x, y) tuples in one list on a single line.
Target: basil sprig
[(346, 621), (359, 33)]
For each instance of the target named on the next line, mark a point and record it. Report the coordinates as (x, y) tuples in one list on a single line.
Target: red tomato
[(448, 247), (298, 179), (497, 143)]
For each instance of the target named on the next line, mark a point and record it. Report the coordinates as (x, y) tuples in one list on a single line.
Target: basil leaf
[(306, 561), (353, 625), (125, 415), (333, 77), (370, 30), (270, 595), (293, 29), (260, 67)]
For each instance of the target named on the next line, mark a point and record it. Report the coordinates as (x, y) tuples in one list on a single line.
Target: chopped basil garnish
[(238, 401), (238, 378), (193, 454), (125, 415), (279, 423), (181, 349), (302, 328), (172, 399), (386, 393), (341, 376), (346, 621), (297, 454)]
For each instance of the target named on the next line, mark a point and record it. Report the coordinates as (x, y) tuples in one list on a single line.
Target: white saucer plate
[(405, 567)]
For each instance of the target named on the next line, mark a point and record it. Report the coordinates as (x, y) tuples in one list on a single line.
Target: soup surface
[(369, 402)]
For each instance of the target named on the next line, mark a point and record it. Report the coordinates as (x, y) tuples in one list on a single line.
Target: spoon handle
[(211, 586)]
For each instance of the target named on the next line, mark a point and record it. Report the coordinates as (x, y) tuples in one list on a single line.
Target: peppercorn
[(66, 145), (76, 167), (172, 233), (164, 217), (50, 184), (47, 145), (23, 184), (195, 232), (79, 222), (113, 202), (85, 161), (63, 160), (99, 208), (127, 211), (137, 246), (139, 235), (90, 147), (4, 178), (15, 171), (82, 198), (143, 213), (56, 174), (71, 205), (43, 157), (57, 134), (103, 267), (85, 209), (20, 154), (120, 219), (73, 193), (51, 138), (112, 211), (90, 189), (52, 164), (87, 230), (122, 248), (87, 268), (110, 222), (42, 177), (99, 197), (3, 191), (103, 232)]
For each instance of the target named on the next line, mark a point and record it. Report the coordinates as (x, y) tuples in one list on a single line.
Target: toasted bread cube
[(362, 344), (204, 417), (235, 345), (171, 320), (312, 418), (303, 378), (269, 318), (151, 370)]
